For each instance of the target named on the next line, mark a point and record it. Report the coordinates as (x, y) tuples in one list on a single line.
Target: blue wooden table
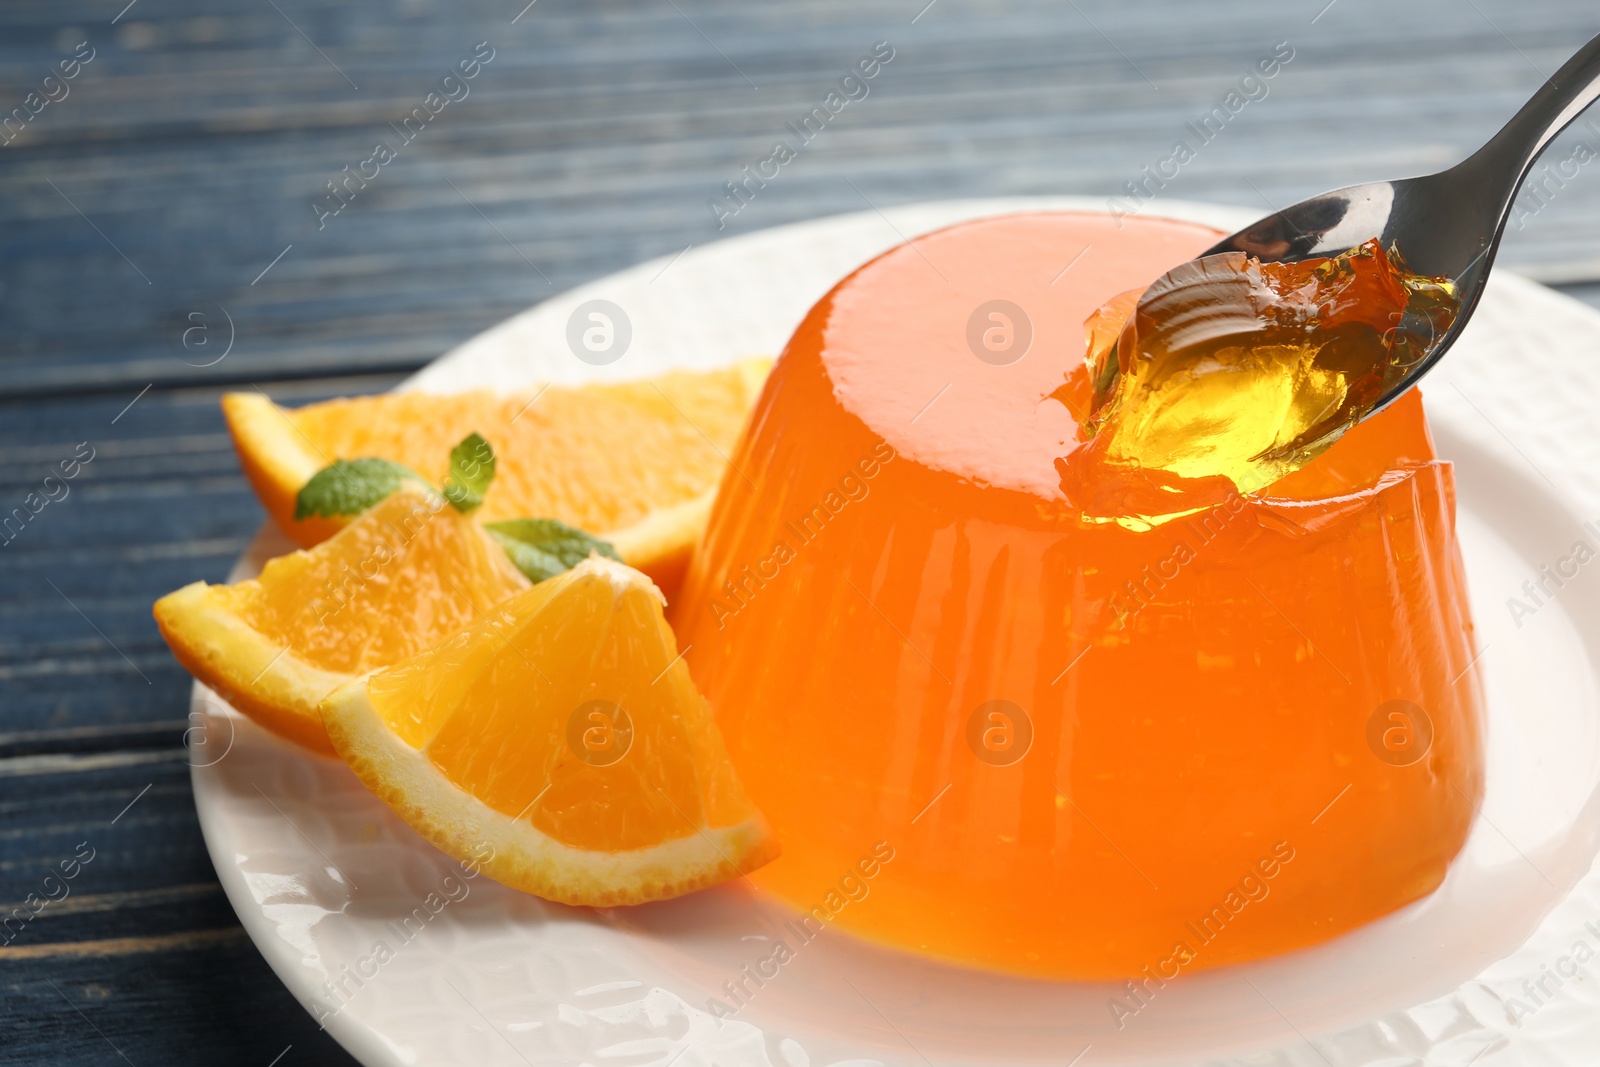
[(192, 200)]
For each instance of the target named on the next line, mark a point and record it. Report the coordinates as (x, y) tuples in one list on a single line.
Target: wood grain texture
[(187, 156)]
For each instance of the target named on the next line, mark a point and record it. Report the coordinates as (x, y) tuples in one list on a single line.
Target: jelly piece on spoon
[(1230, 373)]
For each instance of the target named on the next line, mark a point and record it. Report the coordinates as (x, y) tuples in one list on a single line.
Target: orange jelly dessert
[(991, 731)]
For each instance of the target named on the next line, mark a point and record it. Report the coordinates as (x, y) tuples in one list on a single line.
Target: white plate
[(324, 877)]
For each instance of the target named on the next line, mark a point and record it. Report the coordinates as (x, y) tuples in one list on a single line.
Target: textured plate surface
[(408, 961)]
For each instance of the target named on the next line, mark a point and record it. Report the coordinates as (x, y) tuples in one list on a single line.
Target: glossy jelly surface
[(1086, 750)]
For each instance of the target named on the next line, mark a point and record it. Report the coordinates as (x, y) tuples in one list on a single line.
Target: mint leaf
[(471, 471), (544, 548), (351, 486)]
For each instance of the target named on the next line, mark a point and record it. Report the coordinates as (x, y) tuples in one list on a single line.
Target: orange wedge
[(636, 464), (560, 745), (401, 578)]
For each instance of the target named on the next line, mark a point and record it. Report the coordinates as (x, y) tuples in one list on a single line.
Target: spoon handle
[(1510, 154)]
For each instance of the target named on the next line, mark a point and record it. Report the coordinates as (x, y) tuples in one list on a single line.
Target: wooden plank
[(126, 946), (1588, 293), (210, 999)]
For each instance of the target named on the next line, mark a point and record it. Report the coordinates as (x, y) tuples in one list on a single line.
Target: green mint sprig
[(544, 548), (351, 486), (539, 548), (471, 471)]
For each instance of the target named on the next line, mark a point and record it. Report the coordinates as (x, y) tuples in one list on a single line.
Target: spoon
[(1447, 224), (1227, 377)]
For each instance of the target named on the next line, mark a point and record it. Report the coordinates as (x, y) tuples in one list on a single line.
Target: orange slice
[(560, 745), (402, 577), (636, 464)]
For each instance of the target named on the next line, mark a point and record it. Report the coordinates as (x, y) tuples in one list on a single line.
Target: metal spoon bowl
[(1444, 225)]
